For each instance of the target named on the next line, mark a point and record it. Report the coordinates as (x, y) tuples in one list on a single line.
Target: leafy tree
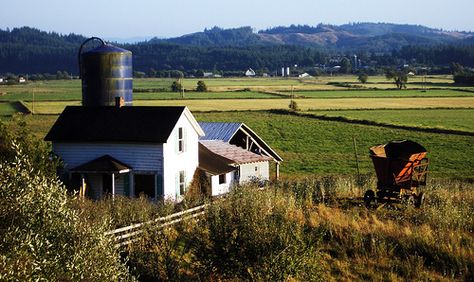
[(400, 77), (294, 106), (465, 78), (346, 66), (363, 77), (176, 86), (201, 86)]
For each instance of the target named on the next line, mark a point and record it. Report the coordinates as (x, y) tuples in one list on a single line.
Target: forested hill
[(29, 50), (378, 37)]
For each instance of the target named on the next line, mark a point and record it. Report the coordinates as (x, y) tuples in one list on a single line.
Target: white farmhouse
[(127, 150), (154, 151)]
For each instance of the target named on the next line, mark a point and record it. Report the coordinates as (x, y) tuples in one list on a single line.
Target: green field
[(317, 87), (307, 144), (455, 119), (311, 146), (7, 109)]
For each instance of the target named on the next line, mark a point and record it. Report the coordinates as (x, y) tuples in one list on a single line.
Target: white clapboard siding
[(141, 157), (247, 171), (175, 161)]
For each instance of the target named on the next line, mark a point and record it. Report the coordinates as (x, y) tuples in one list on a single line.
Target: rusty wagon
[(401, 168)]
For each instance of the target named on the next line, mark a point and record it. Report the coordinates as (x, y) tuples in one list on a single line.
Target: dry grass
[(290, 232)]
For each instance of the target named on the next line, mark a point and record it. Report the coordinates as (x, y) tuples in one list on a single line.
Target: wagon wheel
[(420, 199), (411, 201), (369, 198)]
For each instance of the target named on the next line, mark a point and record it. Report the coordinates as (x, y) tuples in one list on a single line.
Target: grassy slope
[(312, 146)]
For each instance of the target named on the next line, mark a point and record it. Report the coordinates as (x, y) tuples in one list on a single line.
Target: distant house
[(211, 75), (250, 72), (1, 80), (154, 151), (127, 150), (21, 79), (304, 75)]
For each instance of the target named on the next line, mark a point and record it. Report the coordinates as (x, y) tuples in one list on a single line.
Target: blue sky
[(139, 18)]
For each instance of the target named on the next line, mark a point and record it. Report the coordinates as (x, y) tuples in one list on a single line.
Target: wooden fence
[(128, 234)]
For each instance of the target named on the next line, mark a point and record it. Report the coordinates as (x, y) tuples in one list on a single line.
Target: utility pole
[(354, 144)]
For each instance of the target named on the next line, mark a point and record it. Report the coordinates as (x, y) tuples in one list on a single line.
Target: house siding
[(247, 171), (142, 158), (219, 189), (175, 161)]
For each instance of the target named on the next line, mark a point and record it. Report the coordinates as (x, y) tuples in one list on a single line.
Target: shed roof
[(225, 131), (104, 164), (213, 163), (232, 152), (124, 124)]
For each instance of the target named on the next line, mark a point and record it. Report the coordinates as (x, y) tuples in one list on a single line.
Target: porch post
[(277, 171), (113, 185), (82, 192)]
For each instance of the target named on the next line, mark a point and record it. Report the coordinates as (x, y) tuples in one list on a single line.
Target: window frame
[(181, 140), (182, 182)]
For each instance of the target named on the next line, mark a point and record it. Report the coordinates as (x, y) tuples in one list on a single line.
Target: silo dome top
[(107, 48)]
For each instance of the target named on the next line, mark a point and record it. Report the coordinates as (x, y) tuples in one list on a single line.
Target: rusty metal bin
[(401, 168)]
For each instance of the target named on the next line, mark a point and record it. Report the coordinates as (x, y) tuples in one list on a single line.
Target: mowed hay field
[(56, 107)]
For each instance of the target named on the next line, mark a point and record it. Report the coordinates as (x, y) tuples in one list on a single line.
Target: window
[(144, 185), (180, 139), (182, 183), (222, 178)]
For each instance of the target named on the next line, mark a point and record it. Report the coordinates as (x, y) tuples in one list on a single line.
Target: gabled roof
[(124, 124), (231, 152), (213, 163), (225, 131), (104, 164)]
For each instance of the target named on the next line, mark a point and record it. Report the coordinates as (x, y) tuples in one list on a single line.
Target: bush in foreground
[(42, 238)]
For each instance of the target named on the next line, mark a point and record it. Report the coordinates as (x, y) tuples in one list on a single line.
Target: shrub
[(176, 86), (201, 86), (293, 106), (256, 235), (363, 78), (42, 238)]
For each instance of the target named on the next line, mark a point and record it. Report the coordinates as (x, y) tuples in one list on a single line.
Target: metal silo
[(107, 75)]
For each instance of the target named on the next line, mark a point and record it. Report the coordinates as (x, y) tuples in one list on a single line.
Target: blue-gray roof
[(219, 130)]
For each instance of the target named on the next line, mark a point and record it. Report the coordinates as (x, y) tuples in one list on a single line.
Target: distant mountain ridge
[(30, 50), (370, 36)]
